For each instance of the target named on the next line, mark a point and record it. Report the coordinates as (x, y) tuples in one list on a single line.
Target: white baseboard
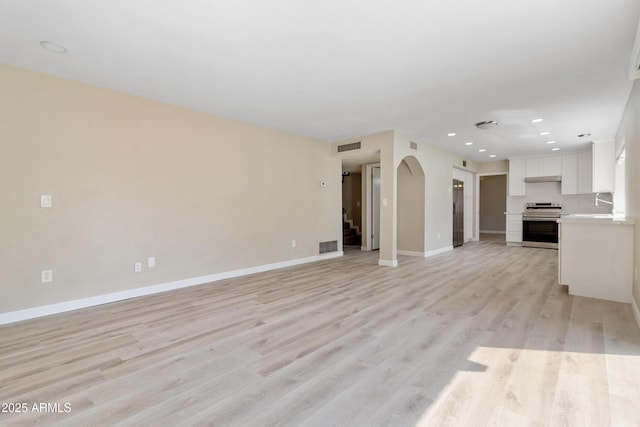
[(438, 251), (388, 263), (46, 310), (412, 253), (426, 254), (636, 311), (492, 232)]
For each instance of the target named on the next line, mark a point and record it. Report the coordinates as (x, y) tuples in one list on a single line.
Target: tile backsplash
[(585, 203), (550, 192)]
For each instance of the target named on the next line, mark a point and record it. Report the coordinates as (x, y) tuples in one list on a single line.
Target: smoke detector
[(488, 124)]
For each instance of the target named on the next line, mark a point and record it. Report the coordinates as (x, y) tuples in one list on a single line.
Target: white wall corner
[(636, 311), (62, 307)]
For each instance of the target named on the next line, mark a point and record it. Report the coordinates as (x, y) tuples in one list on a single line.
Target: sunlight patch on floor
[(542, 387)]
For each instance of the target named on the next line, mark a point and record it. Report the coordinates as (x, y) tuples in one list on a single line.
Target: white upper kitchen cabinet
[(585, 172), (517, 186), (533, 167), (576, 173), (604, 163), (570, 173), (552, 166), (543, 166)]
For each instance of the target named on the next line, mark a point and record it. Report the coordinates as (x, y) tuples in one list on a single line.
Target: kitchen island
[(596, 256)]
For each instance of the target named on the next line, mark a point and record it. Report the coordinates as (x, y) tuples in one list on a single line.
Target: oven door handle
[(538, 218)]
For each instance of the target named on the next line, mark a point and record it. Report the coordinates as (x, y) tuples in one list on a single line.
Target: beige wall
[(411, 219), (629, 133), (501, 166), (493, 202), (133, 178)]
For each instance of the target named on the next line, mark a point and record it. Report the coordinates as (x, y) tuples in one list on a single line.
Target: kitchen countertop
[(602, 219)]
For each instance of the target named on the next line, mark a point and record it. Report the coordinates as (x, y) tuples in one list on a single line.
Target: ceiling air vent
[(413, 145), (349, 147), (331, 246)]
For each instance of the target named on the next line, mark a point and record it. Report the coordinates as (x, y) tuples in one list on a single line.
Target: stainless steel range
[(540, 226)]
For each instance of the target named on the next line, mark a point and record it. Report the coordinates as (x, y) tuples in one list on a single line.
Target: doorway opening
[(360, 213), (492, 199), (373, 217), (352, 208)]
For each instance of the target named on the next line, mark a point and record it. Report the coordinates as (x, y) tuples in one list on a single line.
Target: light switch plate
[(137, 267), (151, 262), (46, 201), (46, 276)]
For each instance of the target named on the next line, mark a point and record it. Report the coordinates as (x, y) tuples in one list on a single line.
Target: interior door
[(375, 208)]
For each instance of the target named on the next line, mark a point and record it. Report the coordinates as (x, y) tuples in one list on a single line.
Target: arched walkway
[(411, 217)]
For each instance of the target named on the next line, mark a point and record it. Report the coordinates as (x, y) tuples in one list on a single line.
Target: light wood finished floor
[(479, 336)]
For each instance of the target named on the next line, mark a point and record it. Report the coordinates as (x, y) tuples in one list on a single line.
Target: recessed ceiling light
[(582, 135), (468, 143), (536, 121), (551, 142), (482, 150), (451, 134), (53, 47), (492, 155), (544, 133), (487, 124), (555, 149)]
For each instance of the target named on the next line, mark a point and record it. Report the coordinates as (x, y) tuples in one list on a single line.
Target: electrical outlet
[(293, 243), (46, 276), (151, 262), (438, 236), (137, 267)]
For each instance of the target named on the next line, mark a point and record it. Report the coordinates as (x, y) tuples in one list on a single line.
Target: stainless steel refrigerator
[(458, 212)]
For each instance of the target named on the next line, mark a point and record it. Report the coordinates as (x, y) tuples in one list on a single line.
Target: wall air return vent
[(413, 145), (331, 246), (349, 147)]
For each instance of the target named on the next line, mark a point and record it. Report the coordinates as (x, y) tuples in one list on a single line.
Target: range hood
[(552, 178)]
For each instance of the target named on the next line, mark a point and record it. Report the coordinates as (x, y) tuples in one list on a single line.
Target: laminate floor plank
[(482, 335)]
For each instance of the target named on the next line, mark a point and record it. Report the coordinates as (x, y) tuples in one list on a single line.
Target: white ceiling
[(335, 69)]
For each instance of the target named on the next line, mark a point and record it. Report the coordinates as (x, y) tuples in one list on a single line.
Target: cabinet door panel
[(552, 166), (570, 173), (517, 186), (533, 167), (585, 172)]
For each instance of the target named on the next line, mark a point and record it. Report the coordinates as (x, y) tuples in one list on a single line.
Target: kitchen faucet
[(602, 200)]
